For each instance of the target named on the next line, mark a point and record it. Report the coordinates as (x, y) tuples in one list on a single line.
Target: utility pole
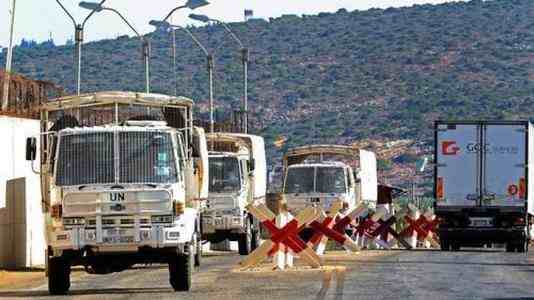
[(9, 59)]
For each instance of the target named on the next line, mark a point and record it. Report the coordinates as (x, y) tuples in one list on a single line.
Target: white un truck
[(482, 186), (315, 177), (113, 171), (237, 178)]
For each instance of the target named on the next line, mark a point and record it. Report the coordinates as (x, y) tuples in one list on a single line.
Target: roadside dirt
[(29, 278), (21, 279)]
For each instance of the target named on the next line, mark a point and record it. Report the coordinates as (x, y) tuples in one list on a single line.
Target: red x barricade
[(334, 228), (424, 227), (285, 237), (374, 227)]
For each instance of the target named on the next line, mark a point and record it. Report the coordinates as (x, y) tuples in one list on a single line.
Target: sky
[(41, 19)]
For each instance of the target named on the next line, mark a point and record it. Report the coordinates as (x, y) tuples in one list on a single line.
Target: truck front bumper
[(117, 239), (213, 223), (126, 239)]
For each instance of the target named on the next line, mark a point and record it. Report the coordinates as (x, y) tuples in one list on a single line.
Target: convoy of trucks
[(237, 178), (127, 179), (482, 186), (117, 169)]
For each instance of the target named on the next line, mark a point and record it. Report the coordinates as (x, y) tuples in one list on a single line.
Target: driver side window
[(181, 154)]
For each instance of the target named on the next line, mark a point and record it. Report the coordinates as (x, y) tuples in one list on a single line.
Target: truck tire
[(256, 240), (181, 270), (198, 250), (58, 276), (445, 245), (522, 247), (510, 246), (244, 240)]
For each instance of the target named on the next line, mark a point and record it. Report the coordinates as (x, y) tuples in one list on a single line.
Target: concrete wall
[(22, 241)]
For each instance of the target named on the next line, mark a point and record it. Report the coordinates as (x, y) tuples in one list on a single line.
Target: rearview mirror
[(252, 164), (421, 164), (31, 148)]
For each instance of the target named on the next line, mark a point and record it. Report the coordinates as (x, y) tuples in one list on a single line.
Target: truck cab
[(312, 180), (237, 178), (114, 168)]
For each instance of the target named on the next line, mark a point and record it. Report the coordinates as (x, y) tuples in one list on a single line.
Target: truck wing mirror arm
[(31, 152)]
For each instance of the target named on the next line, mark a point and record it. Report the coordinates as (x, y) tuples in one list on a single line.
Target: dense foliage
[(336, 77)]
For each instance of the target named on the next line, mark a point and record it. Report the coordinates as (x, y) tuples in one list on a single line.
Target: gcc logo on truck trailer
[(449, 148)]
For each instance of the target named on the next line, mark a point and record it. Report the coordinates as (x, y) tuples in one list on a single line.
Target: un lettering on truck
[(481, 164)]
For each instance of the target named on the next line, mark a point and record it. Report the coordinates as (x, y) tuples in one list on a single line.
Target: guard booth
[(22, 240)]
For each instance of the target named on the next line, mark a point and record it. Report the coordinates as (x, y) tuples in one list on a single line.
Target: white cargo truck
[(237, 178), (314, 178), (481, 183), (114, 168)]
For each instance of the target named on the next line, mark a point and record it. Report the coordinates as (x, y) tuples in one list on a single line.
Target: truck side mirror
[(31, 148), (252, 164), (422, 164)]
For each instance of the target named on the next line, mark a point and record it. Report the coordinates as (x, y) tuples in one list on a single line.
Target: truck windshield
[(85, 159), (89, 158), (327, 180), (146, 157), (330, 180), (224, 174), (300, 180)]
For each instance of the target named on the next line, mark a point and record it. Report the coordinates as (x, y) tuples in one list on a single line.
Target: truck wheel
[(58, 276), (244, 240), (256, 241), (445, 245), (521, 248), (198, 250), (181, 270)]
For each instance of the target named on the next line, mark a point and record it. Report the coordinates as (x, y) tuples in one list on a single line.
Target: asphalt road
[(475, 274)]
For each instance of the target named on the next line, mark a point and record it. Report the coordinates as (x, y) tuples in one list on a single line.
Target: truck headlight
[(73, 221), (162, 219), (179, 208), (144, 235), (90, 235), (63, 237), (173, 235)]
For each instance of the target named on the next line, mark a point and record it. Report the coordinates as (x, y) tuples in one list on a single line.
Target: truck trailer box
[(482, 186)]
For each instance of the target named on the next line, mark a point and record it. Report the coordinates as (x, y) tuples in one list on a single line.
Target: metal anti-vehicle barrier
[(369, 229)]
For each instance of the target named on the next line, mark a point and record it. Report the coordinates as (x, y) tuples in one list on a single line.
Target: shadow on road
[(85, 292), (452, 262)]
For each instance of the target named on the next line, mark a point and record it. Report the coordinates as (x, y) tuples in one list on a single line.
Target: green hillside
[(340, 77)]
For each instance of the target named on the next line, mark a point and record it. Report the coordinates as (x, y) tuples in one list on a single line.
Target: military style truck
[(317, 175), (237, 177), (482, 189), (116, 173)]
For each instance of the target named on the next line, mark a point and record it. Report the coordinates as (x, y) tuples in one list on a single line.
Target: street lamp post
[(244, 61), (97, 7), (191, 4), (78, 37), (9, 59), (209, 58)]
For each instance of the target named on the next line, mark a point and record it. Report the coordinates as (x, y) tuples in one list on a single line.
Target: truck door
[(457, 164), (368, 178), (504, 169)]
